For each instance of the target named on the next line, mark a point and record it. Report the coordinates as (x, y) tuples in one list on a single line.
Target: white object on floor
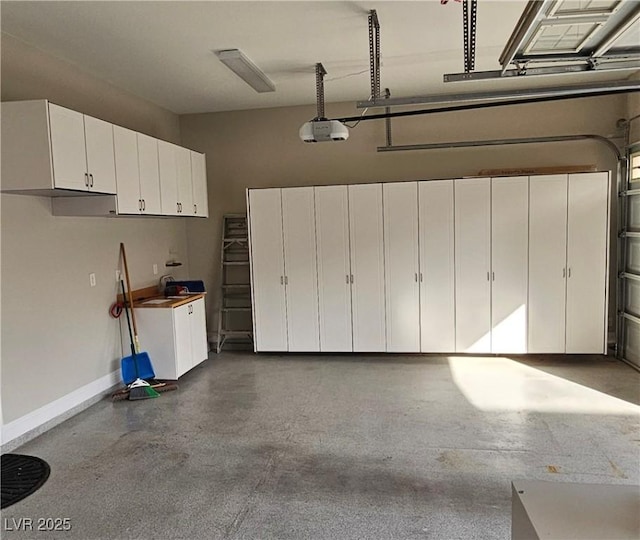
[(559, 510)]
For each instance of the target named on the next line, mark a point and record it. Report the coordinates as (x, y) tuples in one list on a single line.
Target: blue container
[(193, 286)]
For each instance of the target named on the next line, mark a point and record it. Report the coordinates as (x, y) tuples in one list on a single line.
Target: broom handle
[(133, 315), (126, 310)]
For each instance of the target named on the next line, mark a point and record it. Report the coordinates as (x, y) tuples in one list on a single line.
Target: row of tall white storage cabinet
[(476, 265)]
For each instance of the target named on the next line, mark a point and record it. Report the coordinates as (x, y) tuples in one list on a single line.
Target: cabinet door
[(400, 203), (149, 174), (437, 271), (127, 171), (185, 188), (199, 179), (547, 263), (156, 330), (473, 264), (68, 148), (334, 290), (301, 278), (100, 155), (367, 267), (267, 270), (587, 262), (168, 178), (198, 325), (509, 268), (182, 337)]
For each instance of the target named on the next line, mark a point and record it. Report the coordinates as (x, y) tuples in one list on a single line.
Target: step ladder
[(234, 318)]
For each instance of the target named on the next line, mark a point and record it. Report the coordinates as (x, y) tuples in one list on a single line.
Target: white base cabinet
[(505, 265), (175, 338)]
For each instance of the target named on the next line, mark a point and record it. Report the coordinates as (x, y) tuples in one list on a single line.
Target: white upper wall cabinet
[(587, 244), (183, 177), (473, 264), (176, 189), (68, 148), (137, 172), (101, 168), (199, 181), (300, 270), (46, 147), (149, 174), (127, 171), (53, 151), (168, 168), (267, 270), (509, 265), (437, 271), (400, 203), (547, 263), (334, 268), (367, 267)]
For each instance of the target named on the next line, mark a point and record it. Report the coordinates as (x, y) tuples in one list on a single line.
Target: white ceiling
[(162, 51)]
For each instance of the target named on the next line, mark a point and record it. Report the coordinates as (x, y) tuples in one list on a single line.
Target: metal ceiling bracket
[(374, 53), (320, 73), (469, 17)]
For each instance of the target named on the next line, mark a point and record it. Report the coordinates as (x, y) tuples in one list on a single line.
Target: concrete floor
[(337, 447)]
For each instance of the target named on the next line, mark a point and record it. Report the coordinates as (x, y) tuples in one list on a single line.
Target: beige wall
[(261, 148), (57, 335)]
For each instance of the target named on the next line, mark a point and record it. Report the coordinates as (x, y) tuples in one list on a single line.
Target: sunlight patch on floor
[(501, 384)]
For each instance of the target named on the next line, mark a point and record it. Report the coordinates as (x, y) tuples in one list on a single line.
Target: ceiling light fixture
[(246, 70)]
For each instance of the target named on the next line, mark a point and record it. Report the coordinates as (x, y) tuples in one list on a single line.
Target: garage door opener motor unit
[(320, 129)]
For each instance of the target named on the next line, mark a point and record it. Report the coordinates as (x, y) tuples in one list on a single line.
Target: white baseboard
[(31, 425)]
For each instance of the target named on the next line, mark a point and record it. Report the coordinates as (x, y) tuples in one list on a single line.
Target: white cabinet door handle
[(564, 272), (351, 278), (86, 179), (195, 209), (488, 276), (569, 272), (286, 280), (415, 277), (281, 280), (420, 277), (347, 276), (91, 182), (493, 276)]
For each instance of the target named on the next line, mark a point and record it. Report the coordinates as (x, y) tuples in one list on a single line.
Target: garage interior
[(303, 439)]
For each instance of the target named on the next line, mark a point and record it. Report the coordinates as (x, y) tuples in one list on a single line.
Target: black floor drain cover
[(21, 476)]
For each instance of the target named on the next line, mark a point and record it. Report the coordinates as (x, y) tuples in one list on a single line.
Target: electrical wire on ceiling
[(331, 79)]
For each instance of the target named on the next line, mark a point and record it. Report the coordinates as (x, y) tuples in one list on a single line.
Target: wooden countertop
[(167, 302), (149, 298)]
